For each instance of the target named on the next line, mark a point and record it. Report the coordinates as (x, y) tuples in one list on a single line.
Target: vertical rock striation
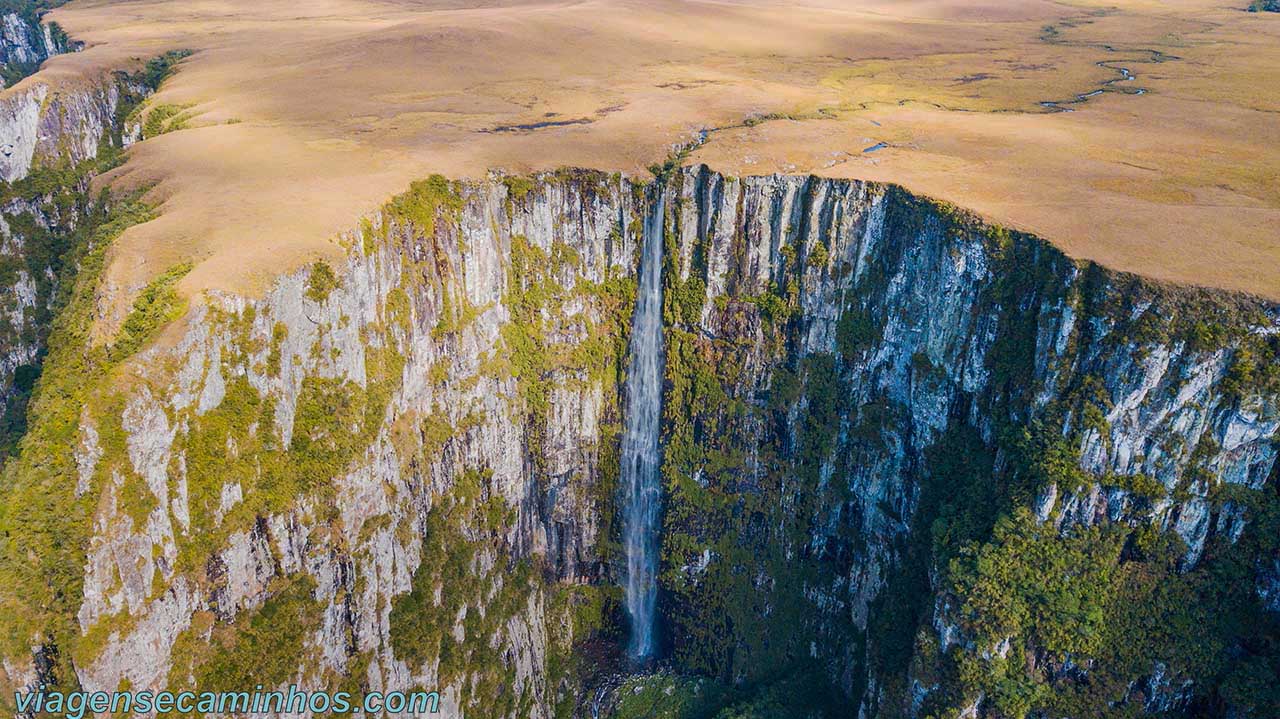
[(53, 141), (872, 406), (417, 451), (26, 41), (862, 383)]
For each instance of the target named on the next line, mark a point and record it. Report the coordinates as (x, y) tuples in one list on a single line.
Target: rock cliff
[(26, 41), (877, 403), (53, 141), (934, 465)]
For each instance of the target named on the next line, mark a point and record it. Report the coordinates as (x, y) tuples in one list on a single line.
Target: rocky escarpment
[(876, 403), (928, 466), (413, 449), (42, 124), (26, 41), (53, 141)]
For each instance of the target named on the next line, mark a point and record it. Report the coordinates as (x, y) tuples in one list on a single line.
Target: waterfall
[(640, 456)]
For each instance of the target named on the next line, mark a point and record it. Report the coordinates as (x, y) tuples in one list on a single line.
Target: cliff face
[(42, 125), (862, 383), (423, 439), (25, 42), (934, 463), (53, 141)]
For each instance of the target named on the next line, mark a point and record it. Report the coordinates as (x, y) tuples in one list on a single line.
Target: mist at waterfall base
[(640, 452)]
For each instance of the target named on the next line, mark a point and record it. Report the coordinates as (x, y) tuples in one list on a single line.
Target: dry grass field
[(308, 113)]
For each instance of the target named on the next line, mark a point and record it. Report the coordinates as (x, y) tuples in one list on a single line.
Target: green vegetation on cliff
[(261, 646), (50, 213), (157, 305), (43, 531), (736, 550), (470, 586), (462, 597), (759, 518)]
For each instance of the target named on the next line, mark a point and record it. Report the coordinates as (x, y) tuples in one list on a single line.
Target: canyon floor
[(1140, 134)]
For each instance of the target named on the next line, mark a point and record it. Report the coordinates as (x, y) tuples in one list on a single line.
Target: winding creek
[(1126, 75)]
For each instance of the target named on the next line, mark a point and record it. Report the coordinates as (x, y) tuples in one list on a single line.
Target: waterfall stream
[(640, 454)]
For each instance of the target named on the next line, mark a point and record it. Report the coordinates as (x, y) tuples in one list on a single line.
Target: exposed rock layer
[(414, 456), (25, 42), (52, 142)]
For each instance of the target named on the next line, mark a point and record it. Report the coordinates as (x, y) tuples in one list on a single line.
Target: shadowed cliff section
[(58, 143), (889, 424), (927, 464)]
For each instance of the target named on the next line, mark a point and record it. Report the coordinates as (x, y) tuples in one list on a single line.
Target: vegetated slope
[(928, 464), (59, 141)]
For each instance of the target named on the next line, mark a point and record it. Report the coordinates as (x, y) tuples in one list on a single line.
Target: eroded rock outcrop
[(411, 459), (53, 141), (25, 42)]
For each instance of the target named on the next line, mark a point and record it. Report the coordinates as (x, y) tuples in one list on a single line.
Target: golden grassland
[(306, 114)]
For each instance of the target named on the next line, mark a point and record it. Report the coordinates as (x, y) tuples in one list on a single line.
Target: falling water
[(640, 457)]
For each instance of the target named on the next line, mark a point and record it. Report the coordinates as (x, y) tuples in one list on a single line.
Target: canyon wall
[(412, 457), (53, 141), (888, 425), (26, 41), (933, 466)]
